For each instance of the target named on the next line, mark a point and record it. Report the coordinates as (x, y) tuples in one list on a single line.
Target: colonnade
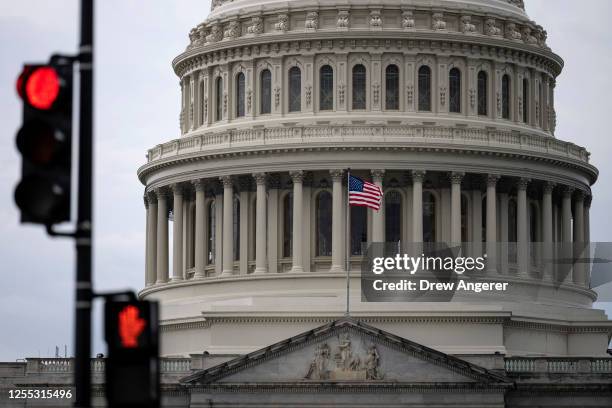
[(563, 212)]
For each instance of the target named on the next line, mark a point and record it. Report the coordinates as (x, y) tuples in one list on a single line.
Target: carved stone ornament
[(308, 95), (233, 30), (216, 34), (202, 34), (407, 20), (491, 28), (472, 97), (276, 97), (442, 95), (375, 19), (225, 103), (341, 89), (344, 362), (205, 109), (376, 93), (249, 100), (512, 32), (256, 26), (467, 27), (410, 94), (194, 36), (283, 23), (343, 20), (528, 38), (312, 20), (437, 21)]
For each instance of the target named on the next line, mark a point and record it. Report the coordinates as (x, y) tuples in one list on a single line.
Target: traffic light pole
[(84, 228)]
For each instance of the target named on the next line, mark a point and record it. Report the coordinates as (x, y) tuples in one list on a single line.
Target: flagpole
[(348, 242)]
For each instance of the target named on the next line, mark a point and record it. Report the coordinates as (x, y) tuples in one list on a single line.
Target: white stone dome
[(509, 8)]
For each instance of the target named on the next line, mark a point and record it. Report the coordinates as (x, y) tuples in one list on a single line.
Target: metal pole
[(82, 377)]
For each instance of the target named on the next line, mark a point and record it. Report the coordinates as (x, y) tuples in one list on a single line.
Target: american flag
[(364, 194)]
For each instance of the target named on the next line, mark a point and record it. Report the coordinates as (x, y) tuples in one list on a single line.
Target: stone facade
[(448, 105)]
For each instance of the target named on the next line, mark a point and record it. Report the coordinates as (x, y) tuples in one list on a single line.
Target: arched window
[(211, 233), (525, 100), (429, 217), (505, 96), (266, 91), (392, 87), (219, 98), (323, 215), (288, 225), (393, 217), (425, 88), (326, 85), (295, 89), (482, 93), (454, 90), (240, 95), (359, 228), (236, 228), (359, 87)]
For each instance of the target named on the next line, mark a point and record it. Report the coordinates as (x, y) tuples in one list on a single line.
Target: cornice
[(209, 321), (268, 141), (405, 42)]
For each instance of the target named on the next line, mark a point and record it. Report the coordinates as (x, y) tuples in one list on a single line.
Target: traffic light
[(45, 142), (132, 367)]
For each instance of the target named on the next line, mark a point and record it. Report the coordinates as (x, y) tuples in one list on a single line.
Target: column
[(162, 236), (228, 226), (587, 237), (151, 269), (245, 186), (177, 234), (337, 234), (547, 228), (218, 230), (378, 220), (201, 243), (566, 215), (503, 231), (298, 202), (455, 179), (417, 205), (522, 227), (579, 268), (261, 225), (476, 221), (491, 232), (566, 230), (273, 211)]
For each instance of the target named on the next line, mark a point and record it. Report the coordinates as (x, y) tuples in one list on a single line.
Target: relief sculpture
[(346, 363)]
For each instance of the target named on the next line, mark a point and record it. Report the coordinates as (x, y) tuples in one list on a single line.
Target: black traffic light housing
[(45, 142), (132, 367)]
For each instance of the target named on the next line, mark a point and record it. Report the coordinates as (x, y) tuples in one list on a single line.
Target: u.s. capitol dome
[(448, 105)]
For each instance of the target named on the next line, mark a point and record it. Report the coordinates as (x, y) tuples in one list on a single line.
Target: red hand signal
[(130, 326)]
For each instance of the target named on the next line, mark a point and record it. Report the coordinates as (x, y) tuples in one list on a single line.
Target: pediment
[(345, 350)]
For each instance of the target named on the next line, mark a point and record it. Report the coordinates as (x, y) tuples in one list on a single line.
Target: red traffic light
[(40, 87), (131, 325)]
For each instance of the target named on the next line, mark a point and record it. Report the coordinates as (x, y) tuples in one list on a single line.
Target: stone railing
[(66, 365), (559, 365), (396, 136)]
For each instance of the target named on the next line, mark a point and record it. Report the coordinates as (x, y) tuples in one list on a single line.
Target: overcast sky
[(137, 106)]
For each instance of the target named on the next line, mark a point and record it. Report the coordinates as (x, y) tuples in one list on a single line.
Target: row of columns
[(157, 246)]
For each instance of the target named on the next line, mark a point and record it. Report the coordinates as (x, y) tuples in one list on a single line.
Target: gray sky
[(137, 107)]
